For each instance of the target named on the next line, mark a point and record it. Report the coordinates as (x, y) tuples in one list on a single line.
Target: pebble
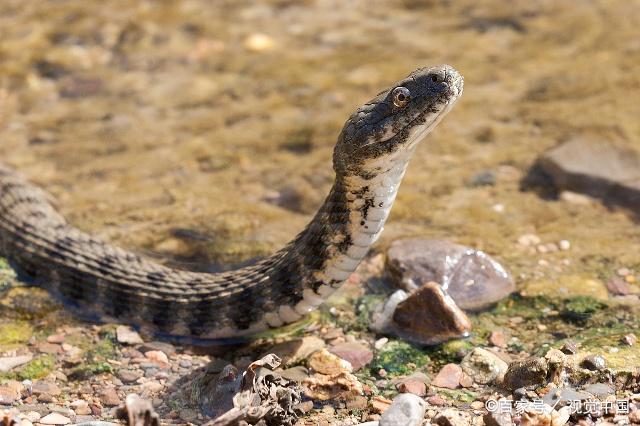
[(325, 362), (569, 348), (452, 417), (528, 240), (55, 419), (379, 404), (109, 397), (379, 344), (436, 400), (405, 410), (498, 338), (8, 395), (295, 350), (56, 338), (412, 384), (157, 356), (42, 387), (483, 366), (297, 373), (258, 42), (448, 377), (129, 376), (358, 355), (498, 418), (474, 280), (629, 339), (428, 316), (81, 407), (529, 372), (165, 347), (618, 287), (127, 335), (49, 348), (11, 362), (593, 363)]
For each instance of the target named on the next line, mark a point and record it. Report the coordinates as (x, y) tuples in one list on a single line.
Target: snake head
[(387, 128)]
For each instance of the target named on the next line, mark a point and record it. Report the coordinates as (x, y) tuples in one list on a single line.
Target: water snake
[(369, 159)]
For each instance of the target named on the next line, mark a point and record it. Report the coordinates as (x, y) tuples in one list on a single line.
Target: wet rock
[(11, 362), (128, 336), (405, 410), (598, 169), (449, 377), (483, 366), (593, 363), (473, 279), (325, 362), (428, 316), (55, 419), (530, 372), (452, 417), (357, 354)]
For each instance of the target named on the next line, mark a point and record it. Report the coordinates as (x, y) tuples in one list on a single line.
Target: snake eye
[(401, 96)]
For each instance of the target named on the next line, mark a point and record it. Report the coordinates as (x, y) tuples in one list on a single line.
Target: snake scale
[(369, 159)]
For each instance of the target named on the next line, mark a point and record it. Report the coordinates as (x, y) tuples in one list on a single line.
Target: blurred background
[(203, 130)]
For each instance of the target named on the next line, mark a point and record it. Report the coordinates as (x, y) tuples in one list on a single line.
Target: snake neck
[(337, 239)]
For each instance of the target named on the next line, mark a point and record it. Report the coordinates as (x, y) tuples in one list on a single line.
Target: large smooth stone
[(471, 277), (598, 169)]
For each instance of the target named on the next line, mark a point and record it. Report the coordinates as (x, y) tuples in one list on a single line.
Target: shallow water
[(172, 127)]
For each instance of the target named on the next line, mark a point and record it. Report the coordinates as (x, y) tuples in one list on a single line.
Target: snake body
[(369, 159)]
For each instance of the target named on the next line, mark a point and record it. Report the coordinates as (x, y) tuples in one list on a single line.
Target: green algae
[(35, 369), (581, 308), (95, 354), (398, 358)]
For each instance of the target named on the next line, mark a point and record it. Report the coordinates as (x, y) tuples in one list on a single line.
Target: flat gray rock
[(471, 277), (598, 169), (406, 410)]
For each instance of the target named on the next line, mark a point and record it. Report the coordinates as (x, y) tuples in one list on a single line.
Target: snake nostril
[(434, 78)]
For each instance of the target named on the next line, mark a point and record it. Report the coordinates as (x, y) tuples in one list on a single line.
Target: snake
[(104, 281)]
